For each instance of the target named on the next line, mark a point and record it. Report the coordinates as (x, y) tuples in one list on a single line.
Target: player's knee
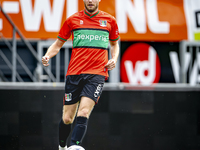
[(84, 113), (67, 120)]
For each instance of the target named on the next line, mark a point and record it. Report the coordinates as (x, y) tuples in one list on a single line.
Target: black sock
[(64, 131), (79, 131)]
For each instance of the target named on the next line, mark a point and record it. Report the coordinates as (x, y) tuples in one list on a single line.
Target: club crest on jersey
[(81, 21), (68, 97), (103, 23)]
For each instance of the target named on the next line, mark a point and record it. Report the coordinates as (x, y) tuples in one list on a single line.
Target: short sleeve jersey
[(90, 36)]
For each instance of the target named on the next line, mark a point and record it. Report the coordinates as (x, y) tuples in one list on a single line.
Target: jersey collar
[(91, 15)]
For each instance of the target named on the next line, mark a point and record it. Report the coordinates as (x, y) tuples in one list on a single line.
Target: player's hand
[(111, 64), (45, 60)]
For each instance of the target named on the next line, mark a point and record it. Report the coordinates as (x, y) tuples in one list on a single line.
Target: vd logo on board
[(140, 64)]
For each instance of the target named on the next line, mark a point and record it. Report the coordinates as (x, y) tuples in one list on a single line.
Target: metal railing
[(41, 45), (15, 57)]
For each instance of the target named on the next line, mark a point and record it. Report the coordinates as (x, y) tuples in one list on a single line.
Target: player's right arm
[(52, 51)]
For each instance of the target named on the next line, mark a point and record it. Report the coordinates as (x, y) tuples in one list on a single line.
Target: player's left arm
[(114, 54)]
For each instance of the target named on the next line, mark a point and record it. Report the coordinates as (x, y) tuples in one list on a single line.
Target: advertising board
[(138, 20)]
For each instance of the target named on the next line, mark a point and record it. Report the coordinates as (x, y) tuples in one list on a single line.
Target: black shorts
[(88, 85)]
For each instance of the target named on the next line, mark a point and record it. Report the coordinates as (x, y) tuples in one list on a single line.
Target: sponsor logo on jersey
[(91, 38), (81, 21), (140, 64)]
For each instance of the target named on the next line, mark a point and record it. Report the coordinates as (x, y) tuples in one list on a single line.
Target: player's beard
[(91, 10)]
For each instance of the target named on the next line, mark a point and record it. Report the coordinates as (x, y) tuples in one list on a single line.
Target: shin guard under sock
[(79, 131), (64, 131)]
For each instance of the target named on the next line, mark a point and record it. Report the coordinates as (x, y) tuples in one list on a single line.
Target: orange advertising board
[(138, 20)]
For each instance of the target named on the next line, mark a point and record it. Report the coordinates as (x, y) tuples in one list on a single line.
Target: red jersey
[(90, 36)]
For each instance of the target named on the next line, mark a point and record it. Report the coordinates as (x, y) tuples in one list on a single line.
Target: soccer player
[(91, 31)]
